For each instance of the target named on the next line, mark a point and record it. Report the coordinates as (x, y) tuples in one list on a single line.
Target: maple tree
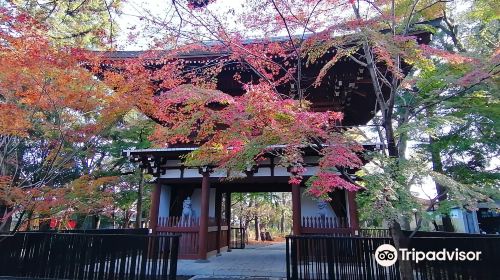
[(239, 135), (53, 113), (453, 113), (88, 23)]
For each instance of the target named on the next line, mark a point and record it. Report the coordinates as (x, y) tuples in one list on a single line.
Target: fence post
[(287, 245), (172, 274), (329, 258), (294, 256)]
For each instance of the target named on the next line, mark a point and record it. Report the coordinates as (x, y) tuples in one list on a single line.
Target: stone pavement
[(259, 262), (233, 278)]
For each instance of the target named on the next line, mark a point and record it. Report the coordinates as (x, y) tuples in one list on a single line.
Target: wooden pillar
[(218, 218), (296, 211), (228, 219), (155, 207), (353, 211), (205, 202)]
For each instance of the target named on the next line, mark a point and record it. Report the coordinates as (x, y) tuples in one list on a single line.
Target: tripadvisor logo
[(387, 255)]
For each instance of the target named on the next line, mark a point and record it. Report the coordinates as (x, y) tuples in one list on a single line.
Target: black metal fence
[(143, 231), (446, 234), (486, 268), (382, 232), (238, 238), (109, 231), (88, 256), (327, 257)]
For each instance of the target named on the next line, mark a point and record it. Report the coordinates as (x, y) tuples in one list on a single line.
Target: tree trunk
[(241, 212), (138, 216), (257, 224), (43, 224), (437, 165), (401, 241), (389, 135), (98, 222), (126, 220), (113, 217), (5, 224), (403, 135), (19, 221), (440, 189), (257, 228), (29, 224), (406, 223), (282, 221), (387, 108)]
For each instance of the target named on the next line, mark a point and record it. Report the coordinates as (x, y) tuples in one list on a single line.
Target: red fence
[(189, 229), (324, 222), (326, 225)]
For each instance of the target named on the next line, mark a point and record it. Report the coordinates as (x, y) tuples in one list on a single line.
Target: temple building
[(196, 201)]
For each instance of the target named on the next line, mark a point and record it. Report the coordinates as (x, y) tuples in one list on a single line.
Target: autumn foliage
[(236, 133), (58, 100), (52, 110)]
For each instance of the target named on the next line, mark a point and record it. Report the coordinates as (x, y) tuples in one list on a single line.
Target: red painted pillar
[(218, 218), (205, 201), (353, 211), (228, 219), (155, 207), (296, 211)]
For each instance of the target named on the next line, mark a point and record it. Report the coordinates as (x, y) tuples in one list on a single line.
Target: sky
[(134, 10)]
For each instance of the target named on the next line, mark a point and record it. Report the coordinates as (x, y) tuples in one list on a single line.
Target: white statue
[(322, 209), (187, 211)]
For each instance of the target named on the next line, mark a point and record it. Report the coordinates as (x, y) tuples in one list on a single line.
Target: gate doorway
[(196, 202), (259, 222), (260, 218)]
